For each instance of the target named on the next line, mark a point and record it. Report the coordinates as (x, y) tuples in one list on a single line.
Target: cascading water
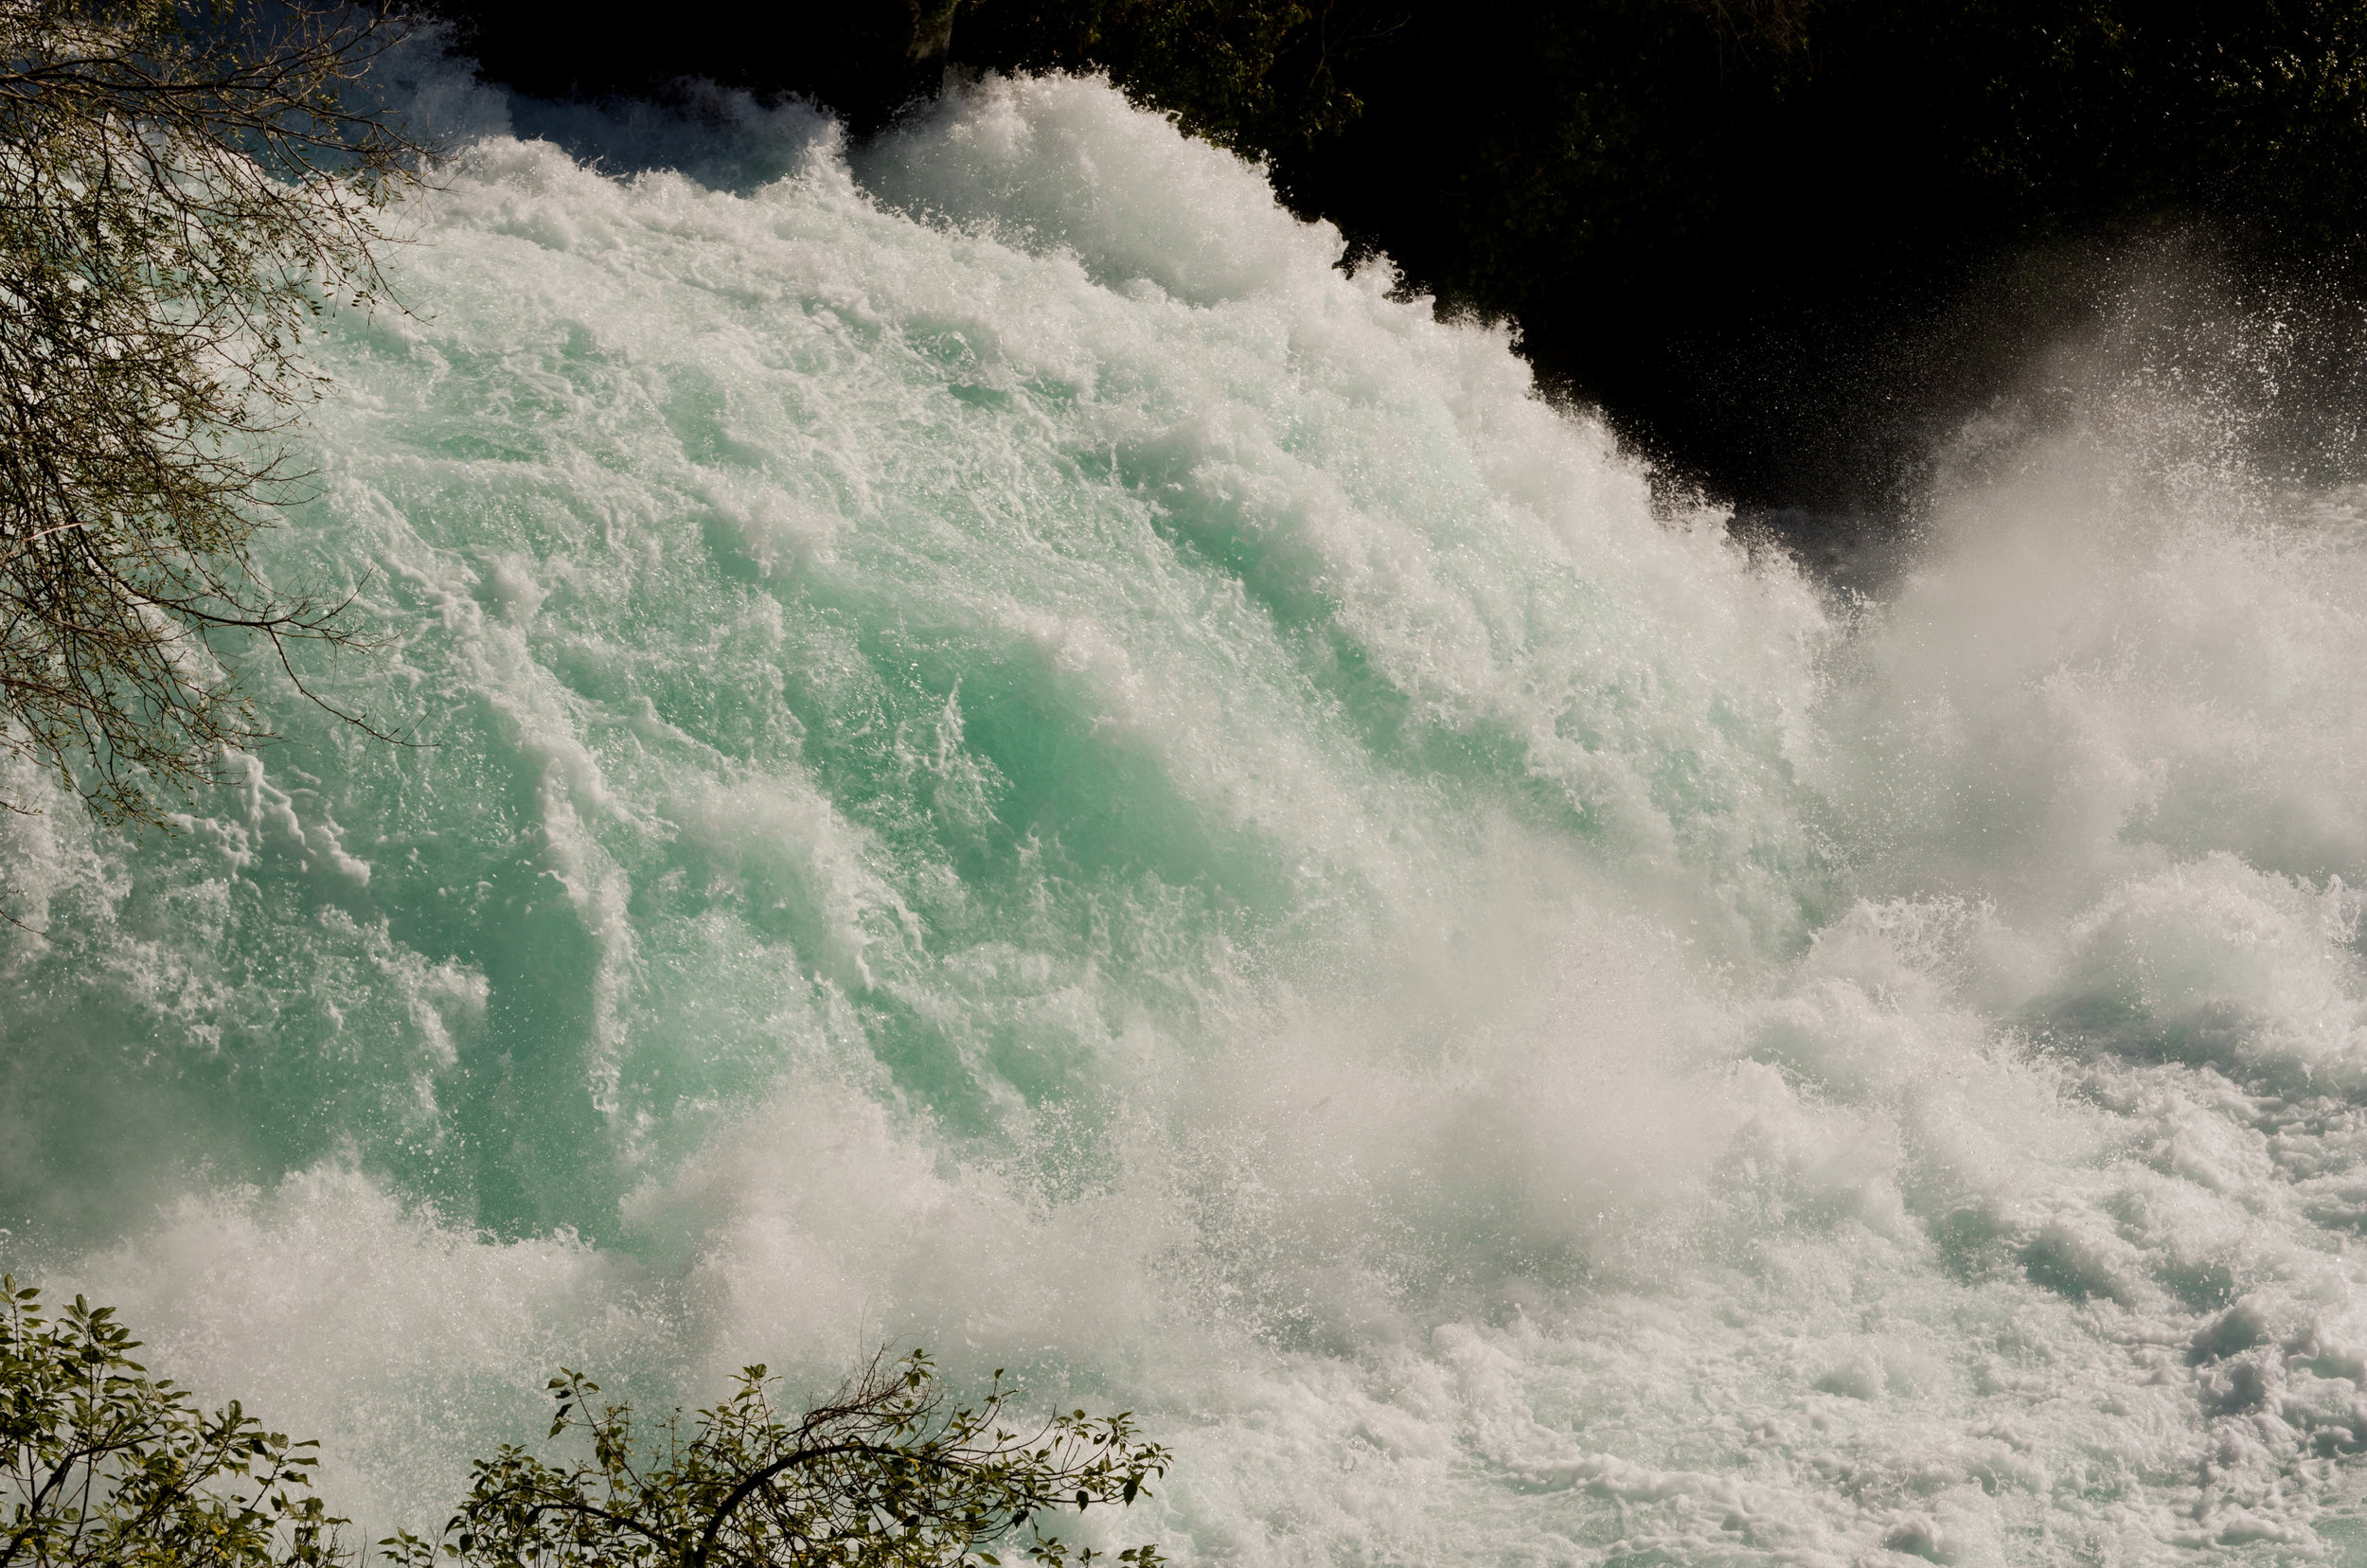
[(1006, 758)]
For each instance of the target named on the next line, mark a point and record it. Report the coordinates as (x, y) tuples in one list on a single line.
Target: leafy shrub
[(103, 1466), (883, 1474)]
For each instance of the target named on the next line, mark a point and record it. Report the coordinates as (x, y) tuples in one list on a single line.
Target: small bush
[(883, 1474), (103, 1466)]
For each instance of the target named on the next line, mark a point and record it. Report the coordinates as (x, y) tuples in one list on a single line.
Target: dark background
[(1783, 245)]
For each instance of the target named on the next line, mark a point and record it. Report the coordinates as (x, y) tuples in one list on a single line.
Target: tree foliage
[(182, 184), (887, 1473), (1788, 243), (102, 1467)]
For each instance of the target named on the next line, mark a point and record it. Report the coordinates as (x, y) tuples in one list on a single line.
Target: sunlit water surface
[(1008, 759)]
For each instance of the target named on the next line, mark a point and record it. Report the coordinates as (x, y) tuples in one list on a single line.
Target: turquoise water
[(1005, 758)]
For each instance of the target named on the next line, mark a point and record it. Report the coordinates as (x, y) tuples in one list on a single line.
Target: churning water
[(1009, 760)]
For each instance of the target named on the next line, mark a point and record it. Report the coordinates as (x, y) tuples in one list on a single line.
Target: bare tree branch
[(183, 183)]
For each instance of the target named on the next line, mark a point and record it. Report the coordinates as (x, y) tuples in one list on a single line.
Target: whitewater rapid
[(1001, 756)]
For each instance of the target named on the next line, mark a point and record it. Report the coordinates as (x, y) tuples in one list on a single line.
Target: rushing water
[(1007, 759)]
